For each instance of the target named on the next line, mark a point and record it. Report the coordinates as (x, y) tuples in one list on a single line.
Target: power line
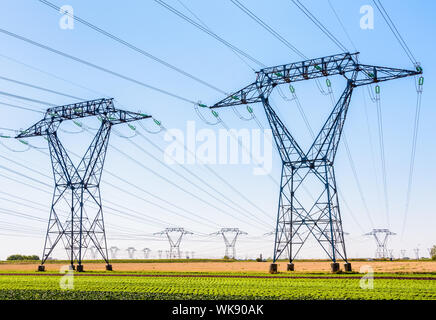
[(206, 30), (137, 146), (342, 25), (142, 216), (352, 164), (92, 65), (131, 46), (371, 146), (207, 27), (235, 190), (308, 14), (175, 185), (413, 151), (25, 98), (268, 28), (395, 31), (227, 199), (382, 152), (356, 178), (52, 75), (40, 88), (19, 107)]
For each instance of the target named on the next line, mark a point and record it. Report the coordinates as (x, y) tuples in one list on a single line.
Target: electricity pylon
[(75, 186), (175, 240), (159, 253), (230, 235), (114, 251), (403, 253), (146, 252), (131, 252), (93, 252), (320, 214), (381, 239), (416, 250)]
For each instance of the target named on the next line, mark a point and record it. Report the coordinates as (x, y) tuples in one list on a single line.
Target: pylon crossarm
[(103, 108), (247, 95), (340, 64), (268, 78), (369, 74)]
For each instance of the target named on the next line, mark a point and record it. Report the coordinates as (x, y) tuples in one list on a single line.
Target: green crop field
[(214, 286)]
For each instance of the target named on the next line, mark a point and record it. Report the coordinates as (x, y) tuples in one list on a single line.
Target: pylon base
[(290, 267), (347, 267), (335, 267), (41, 268), (80, 268), (273, 268), (109, 267)]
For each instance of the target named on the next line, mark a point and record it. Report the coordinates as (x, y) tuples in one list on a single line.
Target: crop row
[(117, 287)]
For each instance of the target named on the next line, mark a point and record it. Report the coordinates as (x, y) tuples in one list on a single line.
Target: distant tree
[(22, 257), (433, 253)]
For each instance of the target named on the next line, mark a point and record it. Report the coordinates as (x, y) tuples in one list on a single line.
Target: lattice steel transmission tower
[(146, 252), (321, 216), (131, 252), (403, 253), (174, 236), (416, 250), (93, 252), (381, 238), (78, 186), (114, 251), (230, 235)]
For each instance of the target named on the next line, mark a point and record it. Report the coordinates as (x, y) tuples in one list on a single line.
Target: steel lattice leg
[(75, 187)]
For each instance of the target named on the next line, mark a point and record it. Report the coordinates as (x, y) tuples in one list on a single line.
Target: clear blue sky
[(159, 32)]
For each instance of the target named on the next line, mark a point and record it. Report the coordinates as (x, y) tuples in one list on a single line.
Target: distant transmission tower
[(381, 239), (403, 253), (230, 235), (416, 250), (146, 252), (159, 253), (312, 169), (131, 252), (114, 251), (391, 254), (192, 254), (75, 186), (174, 236), (93, 252)]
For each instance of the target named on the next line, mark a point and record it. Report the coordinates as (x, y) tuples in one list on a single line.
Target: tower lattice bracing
[(299, 216), (77, 188)]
